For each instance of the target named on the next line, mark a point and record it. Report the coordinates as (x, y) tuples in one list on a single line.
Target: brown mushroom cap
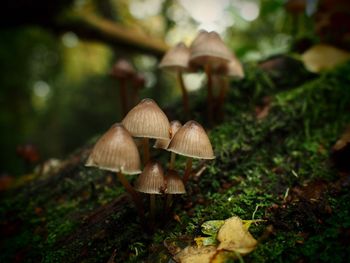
[(122, 69), (202, 34), (191, 140), (164, 143), (210, 49), (116, 151), (174, 183), (232, 68), (147, 120), (176, 58), (151, 180)]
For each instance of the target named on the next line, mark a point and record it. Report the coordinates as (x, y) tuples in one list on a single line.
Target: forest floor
[(274, 161)]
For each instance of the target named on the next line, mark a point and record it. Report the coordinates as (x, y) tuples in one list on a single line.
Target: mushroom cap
[(116, 151), (147, 120), (210, 49), (122, 69), (164, 143), (201, 35), (191, 140), (174, 183), (151, 180), (176, 58), (232, 68)]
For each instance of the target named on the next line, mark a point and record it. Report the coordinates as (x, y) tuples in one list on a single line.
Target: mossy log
[(274, 166)]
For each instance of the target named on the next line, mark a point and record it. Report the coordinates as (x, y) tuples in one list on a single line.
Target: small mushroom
[(116, 151), (151, 181), (209, 52), (122, 71), (147, 120), (174, 185), (192, 141), (176, 59), (164, 143)]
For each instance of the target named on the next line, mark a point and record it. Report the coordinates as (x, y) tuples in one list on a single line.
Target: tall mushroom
[(116, 151), (176, 59), (192, 141), (147, 120), (151, 181), (231, 69), (209, 52), (122, 71), (164, 143)]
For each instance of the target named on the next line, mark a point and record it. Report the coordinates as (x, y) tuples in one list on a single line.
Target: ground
[(274, 161)]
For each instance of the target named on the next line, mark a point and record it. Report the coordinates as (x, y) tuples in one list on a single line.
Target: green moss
[(258, 160)]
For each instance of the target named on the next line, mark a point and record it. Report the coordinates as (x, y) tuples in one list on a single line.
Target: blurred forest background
[(56, 91)]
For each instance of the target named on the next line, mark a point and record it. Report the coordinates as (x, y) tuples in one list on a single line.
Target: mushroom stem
[(123, 96), (188, 170), (152, 199), (145, 150), (168, 201), (184, 92), (172, 161), (222, 96), (210, 92), (132, 193)]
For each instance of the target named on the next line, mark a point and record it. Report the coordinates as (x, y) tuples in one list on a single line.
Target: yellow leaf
[(234, 236), (194, 254), (322, 57)]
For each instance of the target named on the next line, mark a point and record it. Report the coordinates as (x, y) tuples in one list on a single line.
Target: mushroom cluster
[(207, 52), (117, 151)]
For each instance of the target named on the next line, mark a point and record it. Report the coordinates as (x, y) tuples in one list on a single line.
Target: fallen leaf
[(323, 57), (234, 236), (195, 254), (224, 256), (343, 140)]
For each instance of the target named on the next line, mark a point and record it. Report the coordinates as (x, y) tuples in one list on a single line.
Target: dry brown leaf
[(233, 236), (343, 140), (195, 254)]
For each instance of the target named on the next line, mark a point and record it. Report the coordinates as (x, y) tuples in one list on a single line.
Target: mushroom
[(151, 181), (209, 52), (192, 141), (116, 151), (164, 143), (174, 185), (176, 59), (147, 120), (122, 71), (232, 68)]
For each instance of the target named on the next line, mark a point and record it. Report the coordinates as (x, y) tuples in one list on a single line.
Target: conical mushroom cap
[(210, 50), (151, 180), (164, 143), (232, 68), (202, 34), (116, 151), (122, 69), (174, 183), (192, 141), (146, 119), (176, 58)]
